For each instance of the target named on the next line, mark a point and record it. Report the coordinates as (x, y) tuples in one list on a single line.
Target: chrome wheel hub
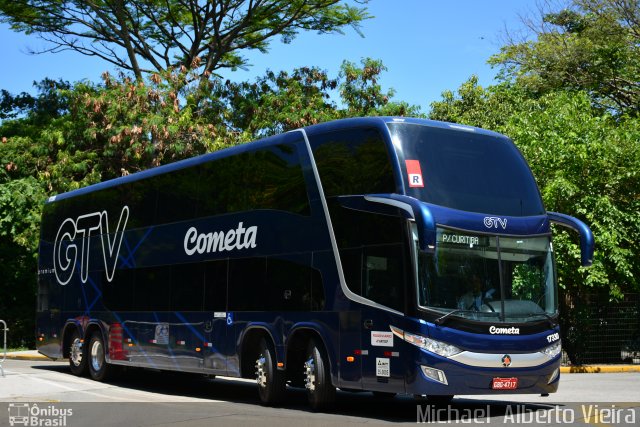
[(76, 352), (97, 356), (310, 375), (261, 372)]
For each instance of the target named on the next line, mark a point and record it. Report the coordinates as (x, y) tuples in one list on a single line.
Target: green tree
[(279, 102), (70, 136), (151, 35), (591, 45)]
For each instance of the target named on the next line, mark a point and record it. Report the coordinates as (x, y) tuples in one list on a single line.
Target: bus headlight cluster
[(553, 350), (438, 347)]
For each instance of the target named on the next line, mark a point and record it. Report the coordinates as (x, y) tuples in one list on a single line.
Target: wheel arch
[(298, 340), (249, 347)]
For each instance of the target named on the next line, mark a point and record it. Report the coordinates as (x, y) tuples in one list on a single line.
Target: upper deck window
[(466, 170), (353, 161)]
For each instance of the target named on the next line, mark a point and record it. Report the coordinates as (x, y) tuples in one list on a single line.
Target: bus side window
[(187, 287), (215, 285), (247, 284), (383, 276), (354, 161), (289, 283)]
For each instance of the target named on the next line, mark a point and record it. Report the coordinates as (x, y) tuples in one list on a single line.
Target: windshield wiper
[(440, 320), (552, 322)]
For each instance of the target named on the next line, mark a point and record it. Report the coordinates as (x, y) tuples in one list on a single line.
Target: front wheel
[(443, 399), (99, 369), (77, 355), (271, 382), (320, 391)]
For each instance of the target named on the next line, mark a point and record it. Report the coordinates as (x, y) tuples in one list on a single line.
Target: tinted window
[(141, 197), (177, 195), (289, 284), (215, 285), (270, 178), (118, 294), (152, 289), (187, 287), (374, 254), (247, 290), (353, 162), (468, 171)]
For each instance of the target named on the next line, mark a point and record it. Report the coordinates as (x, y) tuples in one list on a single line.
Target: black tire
[(443, 399), (77, 355), (320, 391), (383, 395), (99, 369), (271, 381)]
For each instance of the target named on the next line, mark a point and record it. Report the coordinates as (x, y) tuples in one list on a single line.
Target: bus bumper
[(435, 375)]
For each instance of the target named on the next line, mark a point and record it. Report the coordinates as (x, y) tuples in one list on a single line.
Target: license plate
[(504, 384)]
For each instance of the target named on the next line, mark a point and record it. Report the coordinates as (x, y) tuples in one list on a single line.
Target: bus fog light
[(554, 376), (434, 374)]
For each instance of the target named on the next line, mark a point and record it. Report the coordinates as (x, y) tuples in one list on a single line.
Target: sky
[(428, 46)]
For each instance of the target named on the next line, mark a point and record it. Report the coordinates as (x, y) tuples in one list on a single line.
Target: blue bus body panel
[(210, 341)]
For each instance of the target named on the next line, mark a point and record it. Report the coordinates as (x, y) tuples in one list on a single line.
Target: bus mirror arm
[(415, 209), (587, 241)]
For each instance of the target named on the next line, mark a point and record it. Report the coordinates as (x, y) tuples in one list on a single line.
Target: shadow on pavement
[(363, 406)]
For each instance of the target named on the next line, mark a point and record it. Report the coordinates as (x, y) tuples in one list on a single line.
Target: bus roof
[(261, 143)]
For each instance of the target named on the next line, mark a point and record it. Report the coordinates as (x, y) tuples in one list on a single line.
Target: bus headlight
[(553, 350), (438, 347)]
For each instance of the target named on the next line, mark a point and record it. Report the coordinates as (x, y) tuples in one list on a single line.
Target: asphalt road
[(47, 394)]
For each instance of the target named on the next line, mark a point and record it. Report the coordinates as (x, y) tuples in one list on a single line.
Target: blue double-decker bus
[(390, 255)]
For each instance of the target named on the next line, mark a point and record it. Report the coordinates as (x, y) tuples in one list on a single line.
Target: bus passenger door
[(350, 358), (382, 283)]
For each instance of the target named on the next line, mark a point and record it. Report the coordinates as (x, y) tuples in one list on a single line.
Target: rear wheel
[(271, 382), (320, 391), (77, 355), (99, 369)]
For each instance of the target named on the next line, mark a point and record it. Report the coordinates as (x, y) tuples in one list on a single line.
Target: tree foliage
[(70, 136), (591, 45), (151, 35)]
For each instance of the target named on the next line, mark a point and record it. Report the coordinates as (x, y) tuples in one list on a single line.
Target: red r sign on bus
[(415, 173)]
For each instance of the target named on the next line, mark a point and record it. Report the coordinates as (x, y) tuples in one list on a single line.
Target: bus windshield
[(488, 278), (464, 170)]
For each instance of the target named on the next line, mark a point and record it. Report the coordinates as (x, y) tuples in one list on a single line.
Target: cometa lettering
[(504, 331), (219, 241)]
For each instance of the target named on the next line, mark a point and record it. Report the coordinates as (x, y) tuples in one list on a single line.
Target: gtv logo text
[(77, 232)]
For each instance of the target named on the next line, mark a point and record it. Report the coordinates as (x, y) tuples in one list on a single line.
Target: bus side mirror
[(411, 207), (587, 242)]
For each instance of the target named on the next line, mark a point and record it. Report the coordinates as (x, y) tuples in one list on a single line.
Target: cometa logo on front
[(219, 241), (504, 331)]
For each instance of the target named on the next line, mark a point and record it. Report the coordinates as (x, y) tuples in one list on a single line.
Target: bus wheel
[(77, 355), (320, 391), (443, 399), (99, 369), (383, 395), (271, 383)]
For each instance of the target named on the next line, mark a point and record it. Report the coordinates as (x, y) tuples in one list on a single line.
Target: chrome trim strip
[(494, 360), (391, 202), (334, 244)]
